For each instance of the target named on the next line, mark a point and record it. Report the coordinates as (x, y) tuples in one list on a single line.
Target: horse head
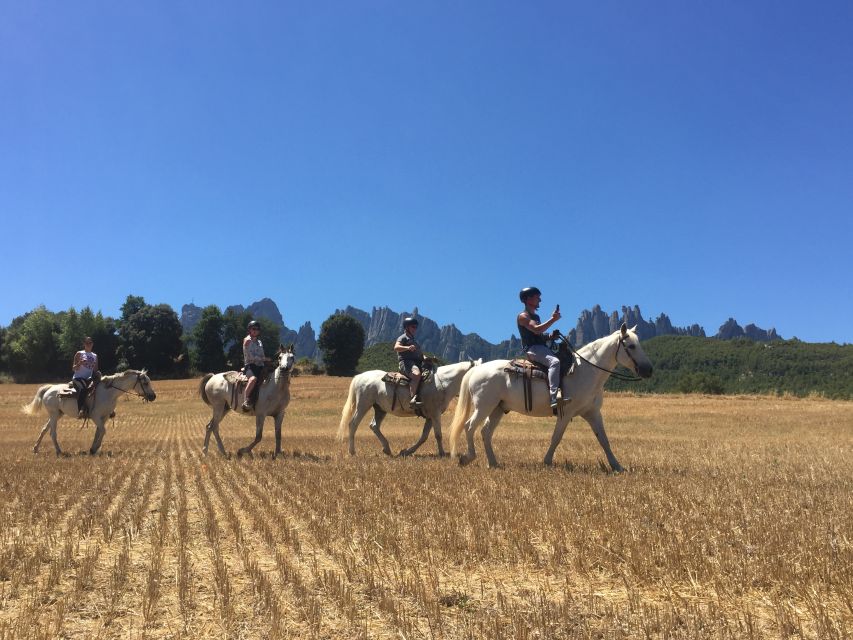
[(630, 354), (286, 358), (143, 385)]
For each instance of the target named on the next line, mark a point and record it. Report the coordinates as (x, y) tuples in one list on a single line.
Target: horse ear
[(280, 347), (634, 329), (624, 329), (290, 348)]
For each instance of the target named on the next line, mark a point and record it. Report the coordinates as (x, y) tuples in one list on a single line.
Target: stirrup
[(246, 407)]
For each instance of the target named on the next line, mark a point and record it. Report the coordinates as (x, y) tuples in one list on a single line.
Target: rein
[(111, 385), (616, 374)]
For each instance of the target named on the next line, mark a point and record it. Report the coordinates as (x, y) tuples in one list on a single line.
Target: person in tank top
[(534, 337)]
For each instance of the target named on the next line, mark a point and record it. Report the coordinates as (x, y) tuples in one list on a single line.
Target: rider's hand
[(412, 347), (556, 315)]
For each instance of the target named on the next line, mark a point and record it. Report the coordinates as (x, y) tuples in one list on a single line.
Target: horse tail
[(464, 408), (202, 385), (346, 414), (37, 403)]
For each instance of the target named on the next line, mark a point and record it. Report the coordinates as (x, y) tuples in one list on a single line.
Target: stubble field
[(735, 520)]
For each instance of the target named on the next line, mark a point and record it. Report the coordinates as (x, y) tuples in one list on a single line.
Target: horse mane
[(592, 348), (123, 374)]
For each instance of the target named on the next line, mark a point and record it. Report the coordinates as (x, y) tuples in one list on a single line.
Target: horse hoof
[(464, 461), (404, 453)]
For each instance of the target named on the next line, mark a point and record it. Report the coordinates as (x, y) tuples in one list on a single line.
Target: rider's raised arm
[(524, 320)]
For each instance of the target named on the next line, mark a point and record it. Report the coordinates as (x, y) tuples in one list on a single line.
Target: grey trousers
[(542, 354)]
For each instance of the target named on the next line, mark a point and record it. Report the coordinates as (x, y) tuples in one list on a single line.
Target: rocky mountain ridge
[(382, 324)]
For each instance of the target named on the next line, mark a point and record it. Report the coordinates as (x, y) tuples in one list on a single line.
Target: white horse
[(367, 390), (104, 403), (217, 391), (489, 392)]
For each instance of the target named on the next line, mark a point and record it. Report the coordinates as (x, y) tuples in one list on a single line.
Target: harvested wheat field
[(734, 521)]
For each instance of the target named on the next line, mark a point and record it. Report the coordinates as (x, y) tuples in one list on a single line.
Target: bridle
[(616, 374), (111, 384)]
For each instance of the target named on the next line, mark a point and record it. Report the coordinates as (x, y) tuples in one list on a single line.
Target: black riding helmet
[(525, 293), (254, 323), (410, 322)]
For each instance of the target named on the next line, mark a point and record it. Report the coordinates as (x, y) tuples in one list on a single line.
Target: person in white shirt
[(85, 367)]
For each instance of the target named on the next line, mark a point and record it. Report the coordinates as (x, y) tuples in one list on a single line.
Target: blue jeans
[(542, 354)]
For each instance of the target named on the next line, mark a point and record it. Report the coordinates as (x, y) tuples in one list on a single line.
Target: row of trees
[(40, 344), (684, 364)]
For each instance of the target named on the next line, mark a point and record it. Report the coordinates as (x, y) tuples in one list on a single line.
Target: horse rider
[(534, 337), (410, 358), (85, 368), (253, 360)]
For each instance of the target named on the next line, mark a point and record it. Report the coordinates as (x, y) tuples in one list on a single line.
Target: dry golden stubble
[(734, 520)]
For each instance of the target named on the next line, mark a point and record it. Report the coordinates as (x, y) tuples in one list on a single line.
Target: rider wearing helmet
[(253, 359), (534, 336), (410, 358)]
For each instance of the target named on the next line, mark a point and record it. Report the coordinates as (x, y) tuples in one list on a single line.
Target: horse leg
[(207, 431), (436, 429), (41, 435), (279, 418), (100, 430), (489, 430), (215, 428), (360, 411), (471, 426), (259, 433), (597, 423), (559, 430), (375, 427), (421, 440)]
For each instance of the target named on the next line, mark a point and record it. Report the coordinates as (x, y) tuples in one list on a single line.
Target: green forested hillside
[(382, 356), (704, 365), (379, 356)]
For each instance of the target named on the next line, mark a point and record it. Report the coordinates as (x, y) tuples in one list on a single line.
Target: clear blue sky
[(694, 158)]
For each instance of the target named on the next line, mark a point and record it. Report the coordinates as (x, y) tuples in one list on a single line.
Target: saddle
[(77, 385), (238, 382), (528, 370), (398, 380)]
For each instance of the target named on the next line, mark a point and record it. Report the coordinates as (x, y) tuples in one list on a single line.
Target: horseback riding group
[(573, 385)]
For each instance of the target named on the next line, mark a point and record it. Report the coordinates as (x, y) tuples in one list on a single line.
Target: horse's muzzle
[(151, 397), (644, 370)]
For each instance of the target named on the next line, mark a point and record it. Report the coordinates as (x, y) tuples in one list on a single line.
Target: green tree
[(378, 356), (234, 330), (151, 339), (31, 346), (342, 343), (208, 353), (131, 305)]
